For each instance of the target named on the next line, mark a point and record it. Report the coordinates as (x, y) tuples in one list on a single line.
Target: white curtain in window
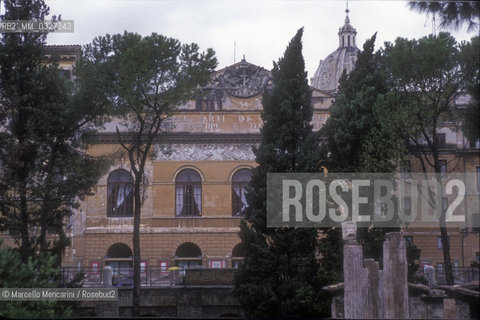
[(123, 193), (244, 199), (240, 194), (197, 192), (237, 188), (179, 196)]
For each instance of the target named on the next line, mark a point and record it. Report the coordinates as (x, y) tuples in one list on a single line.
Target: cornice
[(184, 137)]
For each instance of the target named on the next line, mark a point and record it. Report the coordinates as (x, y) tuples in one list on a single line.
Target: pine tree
[(426, 76), (14, 273), (452, 14), (44, 171), (280, 276), (141, 80), (471, 62)]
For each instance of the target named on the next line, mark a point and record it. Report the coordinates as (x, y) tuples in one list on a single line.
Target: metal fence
[(461, 275), (123, 277)]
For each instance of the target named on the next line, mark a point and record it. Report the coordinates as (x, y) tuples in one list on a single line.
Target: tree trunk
[(447, 262), (25, 244), (136, 248), (446, 255)]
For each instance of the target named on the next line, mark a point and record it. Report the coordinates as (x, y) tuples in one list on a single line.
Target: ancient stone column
[(394, 282), (430, 273), (373, 287), (354, 275)]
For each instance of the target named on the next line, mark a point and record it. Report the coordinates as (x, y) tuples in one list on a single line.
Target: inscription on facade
[(223, 122)]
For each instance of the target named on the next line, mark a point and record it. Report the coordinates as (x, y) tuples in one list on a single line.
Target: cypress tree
[(359, 138), (280, 276)]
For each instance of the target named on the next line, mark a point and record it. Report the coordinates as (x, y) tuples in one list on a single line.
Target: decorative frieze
[(202, 152)]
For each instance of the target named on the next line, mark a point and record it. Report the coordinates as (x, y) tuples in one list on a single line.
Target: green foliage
[(35, 273), (470, 53), (281, 276), (331, 250), (426, 76), (471, 124), (413, 255), (360, 138), (44, 169), (127, 73), (140, 80), (452, 13)]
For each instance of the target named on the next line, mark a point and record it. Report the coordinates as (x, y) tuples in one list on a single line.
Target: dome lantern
[(331, 68), (347, 34)]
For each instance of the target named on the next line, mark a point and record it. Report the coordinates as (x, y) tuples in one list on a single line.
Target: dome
[(331, 68)]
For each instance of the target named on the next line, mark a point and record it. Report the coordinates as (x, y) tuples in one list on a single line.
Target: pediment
[(241, 80)]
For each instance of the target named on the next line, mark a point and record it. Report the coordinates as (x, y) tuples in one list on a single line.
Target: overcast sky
[(260, 28)]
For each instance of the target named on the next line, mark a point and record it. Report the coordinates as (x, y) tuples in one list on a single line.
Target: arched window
[(240, 181), (188, 255), (120, 194), (188, 193)]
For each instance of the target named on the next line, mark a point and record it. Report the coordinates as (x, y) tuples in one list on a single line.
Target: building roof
[(62, 51)]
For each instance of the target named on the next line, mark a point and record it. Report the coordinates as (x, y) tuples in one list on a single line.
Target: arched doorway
[(238, 254), (188, 255), (119, 257)]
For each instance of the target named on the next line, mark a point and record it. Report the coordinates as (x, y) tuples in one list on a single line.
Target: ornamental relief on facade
[(199, 152)]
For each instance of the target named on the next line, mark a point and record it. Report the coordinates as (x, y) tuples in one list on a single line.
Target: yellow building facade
[(200, 166), (196, 180)]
